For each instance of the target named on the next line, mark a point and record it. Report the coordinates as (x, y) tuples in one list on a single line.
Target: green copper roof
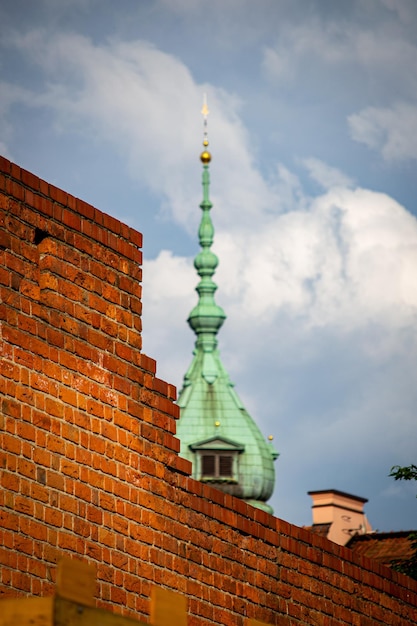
[(213, 420)]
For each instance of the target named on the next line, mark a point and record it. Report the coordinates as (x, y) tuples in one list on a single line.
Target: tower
[(217, 434)]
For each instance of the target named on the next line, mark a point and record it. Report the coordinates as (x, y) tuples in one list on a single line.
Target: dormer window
[(217, 460), (216, 466)]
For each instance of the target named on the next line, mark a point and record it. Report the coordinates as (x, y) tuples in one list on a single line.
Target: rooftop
[(385, 547)]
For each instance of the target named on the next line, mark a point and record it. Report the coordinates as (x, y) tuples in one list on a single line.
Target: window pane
[(226, 465), (209, 467)]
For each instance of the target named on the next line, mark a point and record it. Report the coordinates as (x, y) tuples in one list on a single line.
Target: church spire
[(216, 432), (207, 317)]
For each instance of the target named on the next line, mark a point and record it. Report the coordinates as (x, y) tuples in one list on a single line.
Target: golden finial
[(205, 110), (271, 437), (217, 424), (205, 156)]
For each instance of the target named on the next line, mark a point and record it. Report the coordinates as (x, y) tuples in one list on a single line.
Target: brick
[(21, 581), (57, 194), (85, 209), (5, 165), (68, 468), (54, 407), (29, 179), (53, 517)]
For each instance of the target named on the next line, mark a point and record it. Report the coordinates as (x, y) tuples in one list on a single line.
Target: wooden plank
[(168, 608), (27, 612), (255, 622), (76, 580), (68, 613)]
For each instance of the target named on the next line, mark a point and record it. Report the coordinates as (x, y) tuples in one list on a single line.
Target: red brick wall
[(89, 459)]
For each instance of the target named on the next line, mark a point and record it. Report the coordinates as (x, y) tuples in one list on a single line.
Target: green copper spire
[(216, 432), (207, 317)]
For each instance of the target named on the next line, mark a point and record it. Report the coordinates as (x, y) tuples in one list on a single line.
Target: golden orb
[(205, 157)]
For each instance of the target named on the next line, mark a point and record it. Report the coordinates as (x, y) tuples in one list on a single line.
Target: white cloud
[(326, 175), (336, 43), (146, 103), (169, 278), (130, 94), (406, 9), (346, 261), (377, 64), (391, 131), (168, 296)]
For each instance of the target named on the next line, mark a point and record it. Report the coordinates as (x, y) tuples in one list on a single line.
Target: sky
[(313, 134)]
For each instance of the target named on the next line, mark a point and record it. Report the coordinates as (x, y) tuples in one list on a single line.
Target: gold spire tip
[(205, 156), (205, 110)]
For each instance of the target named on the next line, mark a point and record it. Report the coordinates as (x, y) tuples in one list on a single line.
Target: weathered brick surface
[(89, 458)]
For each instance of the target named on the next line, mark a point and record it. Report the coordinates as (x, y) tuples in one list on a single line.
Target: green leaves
[(404, 473)]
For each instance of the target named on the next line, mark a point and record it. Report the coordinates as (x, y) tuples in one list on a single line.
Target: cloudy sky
[(313, 132)]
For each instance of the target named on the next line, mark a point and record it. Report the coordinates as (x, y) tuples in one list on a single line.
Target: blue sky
[(313, 132)]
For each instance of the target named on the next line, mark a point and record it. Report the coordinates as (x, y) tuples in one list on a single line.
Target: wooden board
[(74, 604), (76, 580), (69, 613), (27, 612), (168, 608)]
